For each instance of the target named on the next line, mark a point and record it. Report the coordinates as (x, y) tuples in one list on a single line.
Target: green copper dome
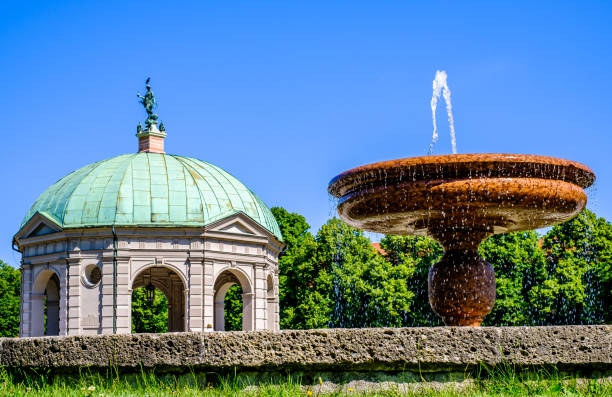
[(149, 189)]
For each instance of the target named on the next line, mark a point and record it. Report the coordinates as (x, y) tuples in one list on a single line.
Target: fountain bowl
[(459, 200)]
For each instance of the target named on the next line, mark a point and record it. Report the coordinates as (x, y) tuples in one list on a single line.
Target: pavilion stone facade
[(83, 279)]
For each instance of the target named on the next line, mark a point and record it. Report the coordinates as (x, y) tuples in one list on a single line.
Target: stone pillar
[(208, 298), (63, 298), (272, 311), (248, 308), (106, 323), (176, 304), (276, 303), (195, 301), (74, 296), (25, 317), (124, 296), (220, 313), (260, 304)]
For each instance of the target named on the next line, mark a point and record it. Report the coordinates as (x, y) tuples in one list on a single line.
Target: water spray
[(440, 88)]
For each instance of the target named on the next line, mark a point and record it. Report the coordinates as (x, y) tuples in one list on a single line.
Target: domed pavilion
[(165, 222)]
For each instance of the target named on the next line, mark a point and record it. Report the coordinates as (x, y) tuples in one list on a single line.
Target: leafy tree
[(336, 279), (357, 285), (149, 316), (297, 273), (10, 287), (578, 285), (518, 262), (418, 254), (233, 308)]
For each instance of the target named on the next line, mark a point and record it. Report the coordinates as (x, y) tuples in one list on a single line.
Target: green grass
[(504, 381)]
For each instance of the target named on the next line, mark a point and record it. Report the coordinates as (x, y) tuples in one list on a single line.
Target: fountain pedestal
[(461, 286), (459, 200)]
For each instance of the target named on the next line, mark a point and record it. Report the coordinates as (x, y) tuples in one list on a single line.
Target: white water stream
[(440, 87)]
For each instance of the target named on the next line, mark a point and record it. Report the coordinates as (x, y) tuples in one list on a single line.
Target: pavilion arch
[(175, 269), (225, 279), (171, 283), (45, 298)]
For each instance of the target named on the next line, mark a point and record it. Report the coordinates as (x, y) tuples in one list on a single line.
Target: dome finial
[(151, 138)]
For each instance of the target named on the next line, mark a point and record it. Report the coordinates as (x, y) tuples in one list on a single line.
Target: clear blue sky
[(284, 95)]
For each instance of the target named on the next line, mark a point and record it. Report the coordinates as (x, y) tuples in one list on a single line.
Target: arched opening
[(233, 308), (46, 304), (271, 303), (224, 283), (154, 289)]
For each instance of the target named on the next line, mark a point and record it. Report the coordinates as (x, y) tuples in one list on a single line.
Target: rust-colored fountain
[(459, 200)]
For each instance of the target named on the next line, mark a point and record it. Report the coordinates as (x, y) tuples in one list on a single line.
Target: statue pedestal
[(151, 140)]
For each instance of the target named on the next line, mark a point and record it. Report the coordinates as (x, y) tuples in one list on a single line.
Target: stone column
[(25, 318), (272, 311), (220, 313), (260, 304), (124, 296), (195, 278), (248, 304), (74, 296), (208, 298), (176, 304), (107, 291), (63, 298), (276, 303)]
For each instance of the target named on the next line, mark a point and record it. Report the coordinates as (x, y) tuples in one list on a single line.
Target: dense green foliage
[(297, 273), (149, 316), (365, 290), (576, 286), (518, 262), (336, 279), (10, 285), (418, 254), (233, 308)]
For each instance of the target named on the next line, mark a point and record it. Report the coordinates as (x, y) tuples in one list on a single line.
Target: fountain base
[(461, 288)]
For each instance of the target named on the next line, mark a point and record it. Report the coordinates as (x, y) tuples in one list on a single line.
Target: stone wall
[(341, 355)]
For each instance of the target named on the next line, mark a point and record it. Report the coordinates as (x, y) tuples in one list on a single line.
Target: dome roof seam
[(167, 187), (110, 179), (150, 178), (213, 178), (231, 184), (87, 174), (188, 166), (44, 200), (128, 166)]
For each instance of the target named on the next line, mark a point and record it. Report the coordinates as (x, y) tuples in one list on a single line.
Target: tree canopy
[(10, 287), (336, 279), (576, 285)]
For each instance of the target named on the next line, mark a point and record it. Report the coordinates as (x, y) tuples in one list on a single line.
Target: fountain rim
[(573, 172)]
